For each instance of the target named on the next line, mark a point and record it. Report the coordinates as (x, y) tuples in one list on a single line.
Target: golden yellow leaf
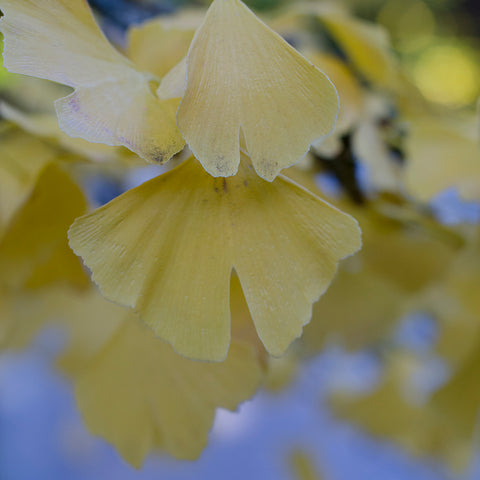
[(173, 83), (281, 371), (443, 426), (388, 413), (358, 309), (22, 159), (409, 250), (34, 248), (132, 388), (366, 45), (402, 254), (168, 248), (157, 47), (45, 126), (440, 155), (348, 87), (139, 394), (453, 300), (351, 102), (113, 102), (303, 466), (243, 77)]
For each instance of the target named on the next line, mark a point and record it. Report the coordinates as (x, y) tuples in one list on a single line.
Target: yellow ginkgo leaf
[(348, 87), (45, 126), (113, 102), (440, 155), (387, 413), (243, 77), (351, 102), (156, 47), (34, 248), (408, 250), (303, 466), (168, 248), (373, 307), (442, 426), (132, 388), (22, 159), (367, 45), (457, 403), (139, 394), (464, 278)]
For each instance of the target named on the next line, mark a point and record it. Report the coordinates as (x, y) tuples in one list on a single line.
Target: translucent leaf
[(34, 249), (443, 426), (156, 47), (303, 466), (45, 126), (243, 77), (22, 159), (139, 394), (366, 44), (373, 306), (132, 388), (441, 155), (113, 102), (168, 248)]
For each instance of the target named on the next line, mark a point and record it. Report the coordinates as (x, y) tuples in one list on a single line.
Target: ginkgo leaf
[(168, 248), (132, 388), (440, 155), (243, 77), (351, 102), (139, 394), (366, 44), (45, 126), (173, 83), (348, 87), (156, 47), (303, 466), (36, 238), (443, 425), (373, 307), (457, 403), (22, 159), (386, 412), (113, 103), (409, 251)]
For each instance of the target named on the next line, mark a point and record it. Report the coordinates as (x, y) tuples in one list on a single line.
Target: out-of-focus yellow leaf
[(132, 388), (440, 155), (409, 250), (303, 466), (281, 371), (402, 254), (34, 248), (387, 413), (22, 159), (453, 300), (113, 103), (442, 427), (156, 47), (357, 310), (243, 77), (349, 90), (351, 101), (139, 394), (457, 405), (45, 126), (168, 248), (367, 46)]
